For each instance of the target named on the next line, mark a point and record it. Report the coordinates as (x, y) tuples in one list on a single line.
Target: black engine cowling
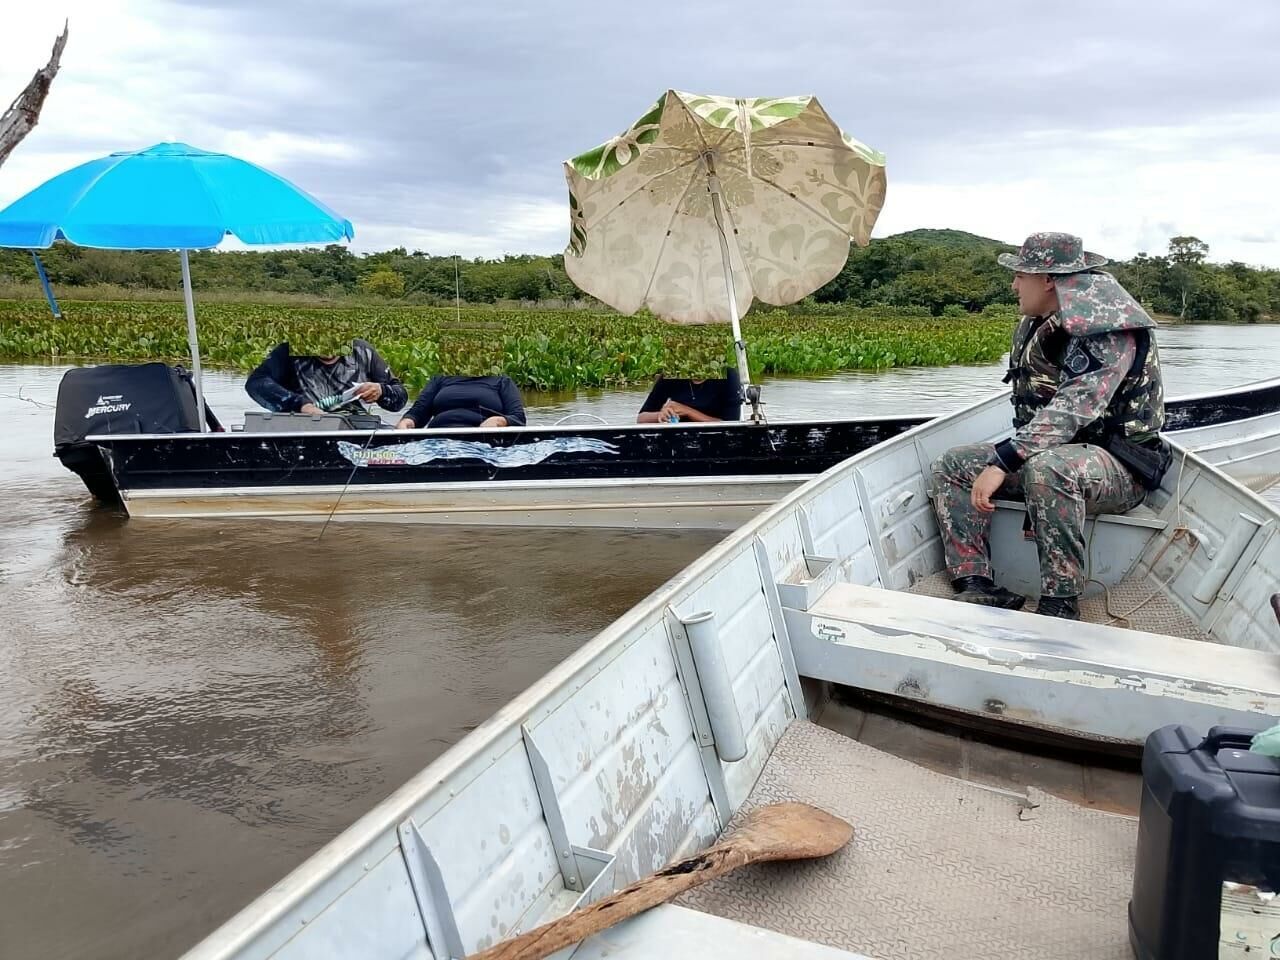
[(119, 398)]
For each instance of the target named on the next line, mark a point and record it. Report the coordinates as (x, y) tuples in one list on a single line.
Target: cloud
[(444, 126)]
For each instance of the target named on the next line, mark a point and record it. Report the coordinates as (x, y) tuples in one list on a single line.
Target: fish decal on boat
[(424, 451)]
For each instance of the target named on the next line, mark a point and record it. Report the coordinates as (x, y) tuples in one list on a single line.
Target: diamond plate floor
[(937, 868)]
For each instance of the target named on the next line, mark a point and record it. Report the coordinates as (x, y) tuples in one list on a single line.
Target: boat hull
[(693, 476), (708, 476), (1247, 450), (719, 503), (647, 742)]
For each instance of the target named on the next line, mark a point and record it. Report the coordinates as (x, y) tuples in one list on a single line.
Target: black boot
[(1065, 608), (983, 590)]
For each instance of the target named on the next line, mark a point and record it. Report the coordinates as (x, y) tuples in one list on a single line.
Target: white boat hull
[(722, 503)]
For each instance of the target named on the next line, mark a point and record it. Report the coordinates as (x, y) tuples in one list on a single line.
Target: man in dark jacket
[(304, 383), (1088, 407)]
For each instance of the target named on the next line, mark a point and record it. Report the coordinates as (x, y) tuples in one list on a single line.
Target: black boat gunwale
[(1176, 404)]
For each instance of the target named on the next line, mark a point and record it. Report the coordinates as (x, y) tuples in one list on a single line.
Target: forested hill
[(932, 268), (953, 238)]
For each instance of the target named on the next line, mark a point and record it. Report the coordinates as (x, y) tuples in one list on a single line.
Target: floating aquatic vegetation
[(538, 349)]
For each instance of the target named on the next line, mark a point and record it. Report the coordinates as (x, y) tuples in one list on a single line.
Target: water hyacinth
[(538, 349)]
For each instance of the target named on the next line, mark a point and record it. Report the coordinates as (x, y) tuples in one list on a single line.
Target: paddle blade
[(779, 831), (791, 831)]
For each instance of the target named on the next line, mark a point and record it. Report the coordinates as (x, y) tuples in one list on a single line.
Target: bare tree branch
[(23, 114)]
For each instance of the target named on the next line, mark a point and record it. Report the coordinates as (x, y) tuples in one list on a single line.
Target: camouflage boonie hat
[(1051, 253)]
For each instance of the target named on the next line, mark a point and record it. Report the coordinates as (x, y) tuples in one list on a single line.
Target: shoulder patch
[(1079, 359)]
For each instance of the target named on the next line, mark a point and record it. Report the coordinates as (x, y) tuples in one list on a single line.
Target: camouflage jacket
[(1090, 370)]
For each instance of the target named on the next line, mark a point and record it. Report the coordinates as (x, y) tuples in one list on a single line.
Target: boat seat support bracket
[(434, 905), (584, 870), (773, 602)]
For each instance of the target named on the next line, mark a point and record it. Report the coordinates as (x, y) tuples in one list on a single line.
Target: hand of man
[(494, 421), (987, 484), (406, 424), (674, 408), (309, 408), (370, 392)]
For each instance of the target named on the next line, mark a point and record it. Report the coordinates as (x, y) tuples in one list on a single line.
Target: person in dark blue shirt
[(448, 401), (287, 382), (693, 401)]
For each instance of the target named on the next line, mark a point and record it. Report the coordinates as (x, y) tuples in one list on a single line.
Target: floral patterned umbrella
[(766, 191)]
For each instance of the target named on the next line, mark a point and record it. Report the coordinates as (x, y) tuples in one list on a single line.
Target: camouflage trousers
[(1060, 486)]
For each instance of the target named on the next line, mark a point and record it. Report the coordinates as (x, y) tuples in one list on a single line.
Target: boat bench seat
[(1104, 681), (1139, 516), (1115, 540), (672, 931)]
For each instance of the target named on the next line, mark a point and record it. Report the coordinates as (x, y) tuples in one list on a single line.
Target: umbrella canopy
[(169, 197), (792, 187)]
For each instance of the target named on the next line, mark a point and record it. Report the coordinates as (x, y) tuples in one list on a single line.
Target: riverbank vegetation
[(934, 270), (924, 298), (539, 349)]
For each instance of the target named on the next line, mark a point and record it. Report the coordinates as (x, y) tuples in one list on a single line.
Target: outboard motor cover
[(118, 398), (123, 398)]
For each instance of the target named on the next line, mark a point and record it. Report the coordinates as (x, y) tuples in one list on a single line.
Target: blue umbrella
[(169, 197)]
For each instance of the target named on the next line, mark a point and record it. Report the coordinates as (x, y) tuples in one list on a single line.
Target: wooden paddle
[(780, 831)]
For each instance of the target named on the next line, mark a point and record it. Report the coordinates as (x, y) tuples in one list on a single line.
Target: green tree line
[(942, 271)]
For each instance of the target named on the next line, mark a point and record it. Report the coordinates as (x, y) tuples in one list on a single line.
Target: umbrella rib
[(617, 206), (820, 214), (340, 220), (80, 196), (675, 212), (695, 121), (212, 198), (804, 143), (728, 134)]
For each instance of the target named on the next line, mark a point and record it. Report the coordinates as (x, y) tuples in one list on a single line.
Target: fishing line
[(355, 465), (19, 396)]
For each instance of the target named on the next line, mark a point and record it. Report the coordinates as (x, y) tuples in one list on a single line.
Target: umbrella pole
[(192, 341), (48, 290), (739, 345)]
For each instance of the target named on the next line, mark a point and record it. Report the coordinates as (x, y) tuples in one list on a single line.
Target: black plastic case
[(1208, 855)]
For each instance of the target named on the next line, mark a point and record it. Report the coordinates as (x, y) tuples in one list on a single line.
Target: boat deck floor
[(1135, 604), (953, 747), (938, 866), (1263, 483)]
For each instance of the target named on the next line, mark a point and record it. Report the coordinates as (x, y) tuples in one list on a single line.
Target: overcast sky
[(442, 126)]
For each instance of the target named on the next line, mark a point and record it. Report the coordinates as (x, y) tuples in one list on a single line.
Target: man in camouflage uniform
[(1086, 382)]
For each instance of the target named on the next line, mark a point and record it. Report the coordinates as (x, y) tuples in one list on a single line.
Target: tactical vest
[(1036, 371)]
